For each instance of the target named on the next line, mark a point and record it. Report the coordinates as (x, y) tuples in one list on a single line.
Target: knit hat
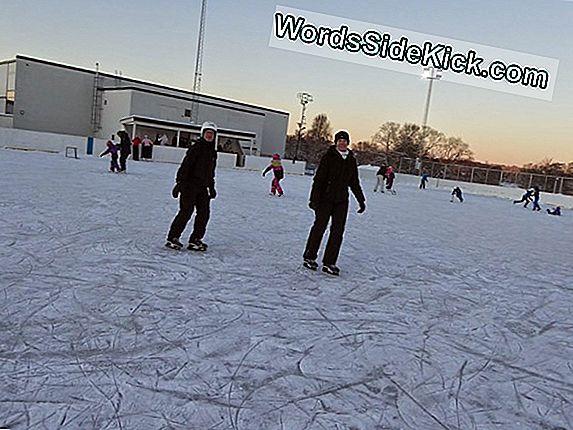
[(342, 134), (276, 157)]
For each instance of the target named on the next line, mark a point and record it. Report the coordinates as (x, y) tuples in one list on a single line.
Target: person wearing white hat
[(195, 187)]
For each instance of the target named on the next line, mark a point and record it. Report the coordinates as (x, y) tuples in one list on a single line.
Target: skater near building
[(423, 181), (124, 149), (146, 148), (556, 211), (337, 171), (195, 188), (526, 198), (278, 172), (136, 143), (536, 192), (457, 192), (380, 177), (112, 149), (390, 176)]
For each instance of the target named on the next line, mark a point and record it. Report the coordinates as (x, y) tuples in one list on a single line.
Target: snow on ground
[(447, 316)]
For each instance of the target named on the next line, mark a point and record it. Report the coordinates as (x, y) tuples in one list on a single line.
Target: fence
[(481, 175)]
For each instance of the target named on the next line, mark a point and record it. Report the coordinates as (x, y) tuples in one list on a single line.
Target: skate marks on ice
[(104, 328)]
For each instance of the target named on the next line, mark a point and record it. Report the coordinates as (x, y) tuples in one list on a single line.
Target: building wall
[(115, 105), (59, 99), (52, 99)]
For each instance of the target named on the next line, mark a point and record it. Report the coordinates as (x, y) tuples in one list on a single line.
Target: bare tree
[(320, 130), (454, 149)]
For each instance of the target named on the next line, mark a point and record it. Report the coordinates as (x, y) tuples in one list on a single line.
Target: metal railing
[(481, 175)]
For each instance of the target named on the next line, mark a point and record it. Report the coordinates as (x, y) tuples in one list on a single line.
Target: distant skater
[(525, 198), (124, 150), (112, 149), (390, 176), (380, 177), (423, 181), (536, 206), (556, 211), (278, 172), (457, 192)]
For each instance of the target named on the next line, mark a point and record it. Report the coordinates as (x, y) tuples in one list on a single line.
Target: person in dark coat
[(124, 149), (423, 181), (457, 192), (195, 188), (337, 171), (380, 177), (526, 197), (556, 211), (536, 192)]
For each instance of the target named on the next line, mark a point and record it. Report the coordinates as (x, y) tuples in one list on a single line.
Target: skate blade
[(171, 246)]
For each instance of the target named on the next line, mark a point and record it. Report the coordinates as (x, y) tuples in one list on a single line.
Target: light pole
[(432, 74), (305, 98)]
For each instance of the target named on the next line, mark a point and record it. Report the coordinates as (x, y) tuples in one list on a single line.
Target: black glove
[(175, 192), (362, 207), (312, 205), (211, 192)]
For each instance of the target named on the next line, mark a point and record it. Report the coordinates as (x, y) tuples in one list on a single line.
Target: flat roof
[(140, 81), (180, 124)]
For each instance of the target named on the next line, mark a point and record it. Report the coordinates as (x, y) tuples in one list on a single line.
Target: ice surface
[(447, 316)]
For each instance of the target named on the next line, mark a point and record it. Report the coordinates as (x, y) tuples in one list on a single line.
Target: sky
[(156, 41)]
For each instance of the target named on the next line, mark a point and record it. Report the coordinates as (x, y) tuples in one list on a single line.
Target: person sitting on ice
[(278, 171), (526, 197), (556, 211), (112, 149), (457, 192)]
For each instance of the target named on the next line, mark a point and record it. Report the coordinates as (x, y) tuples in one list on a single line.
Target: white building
[(45, 96)]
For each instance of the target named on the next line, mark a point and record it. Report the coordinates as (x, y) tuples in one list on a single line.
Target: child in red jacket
[(278, 171)]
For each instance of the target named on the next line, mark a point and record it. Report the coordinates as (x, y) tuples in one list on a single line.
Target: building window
[(187, 113), (9, 93)]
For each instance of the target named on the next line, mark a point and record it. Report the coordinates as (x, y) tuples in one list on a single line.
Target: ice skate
[(174, 244), (331, 269), (197, 245), (310, 264)]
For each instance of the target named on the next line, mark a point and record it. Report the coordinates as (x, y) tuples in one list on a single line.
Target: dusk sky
[(156, 41)]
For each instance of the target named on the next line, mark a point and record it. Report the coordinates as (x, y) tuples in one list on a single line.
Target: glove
[(211, 192), (175, 192), (362, 207), (312, 205)]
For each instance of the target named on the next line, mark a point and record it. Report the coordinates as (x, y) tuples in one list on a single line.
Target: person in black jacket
[(124, 149), (336, 172), (196, 187)]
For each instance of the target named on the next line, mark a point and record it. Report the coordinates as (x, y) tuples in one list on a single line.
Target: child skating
[(278, 172), (112, 149), (423, 181), (525, 198), (556, 211), (390, 176)]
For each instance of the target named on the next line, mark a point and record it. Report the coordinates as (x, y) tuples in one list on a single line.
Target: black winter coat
[(198, 167), (333, 177), (124, 143)]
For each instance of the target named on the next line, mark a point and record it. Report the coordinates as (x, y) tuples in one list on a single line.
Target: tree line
[(393, 141)]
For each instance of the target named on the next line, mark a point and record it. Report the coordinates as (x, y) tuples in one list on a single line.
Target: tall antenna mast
[(198, 64)]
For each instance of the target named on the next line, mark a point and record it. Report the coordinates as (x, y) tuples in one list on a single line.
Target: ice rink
[(446, 316)]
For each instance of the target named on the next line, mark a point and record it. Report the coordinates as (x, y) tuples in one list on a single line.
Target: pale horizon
[(149, 41)]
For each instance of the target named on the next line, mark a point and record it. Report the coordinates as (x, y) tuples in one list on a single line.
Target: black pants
[(190, 200), (326, 211), (135, 149), (122, 159)]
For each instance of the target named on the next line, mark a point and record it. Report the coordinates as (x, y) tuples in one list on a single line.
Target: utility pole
[(198, 64), (305, 98), (432, 74)]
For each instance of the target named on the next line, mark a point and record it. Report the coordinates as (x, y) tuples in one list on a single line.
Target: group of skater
[(336, 176), (532, 195), (329, 197), (118, 150), (385, 174)]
